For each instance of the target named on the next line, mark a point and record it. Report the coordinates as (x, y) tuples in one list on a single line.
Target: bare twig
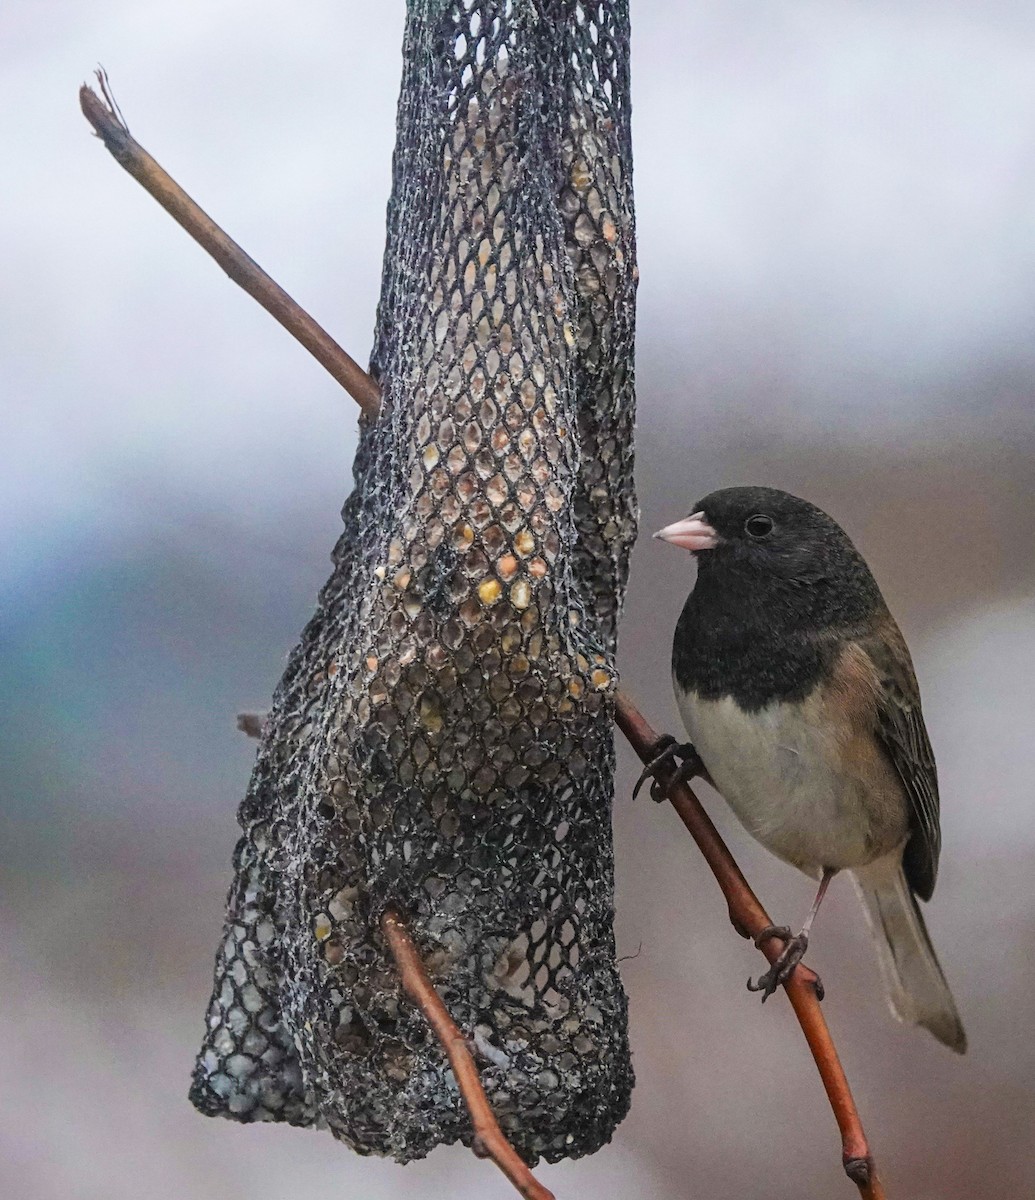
[(750, 918), (250, 724), (489, 1141), (746, 913), (104, 116)]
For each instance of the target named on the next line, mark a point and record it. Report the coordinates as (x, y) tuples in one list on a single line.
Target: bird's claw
[(792, 953), (783, 932), (667, 749)]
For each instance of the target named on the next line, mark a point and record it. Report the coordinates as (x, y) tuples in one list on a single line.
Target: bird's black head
[(775, 548)]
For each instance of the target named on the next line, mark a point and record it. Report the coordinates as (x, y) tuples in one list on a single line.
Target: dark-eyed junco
[(798, 693)]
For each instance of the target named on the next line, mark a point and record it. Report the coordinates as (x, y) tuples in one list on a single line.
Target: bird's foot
[(666, 750), (792, 953)]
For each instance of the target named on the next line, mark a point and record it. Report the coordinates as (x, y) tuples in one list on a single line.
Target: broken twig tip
[(104, 115), (104, 83), (251, 723)]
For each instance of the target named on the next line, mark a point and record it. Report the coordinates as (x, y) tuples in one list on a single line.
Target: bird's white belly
[(783, 772)]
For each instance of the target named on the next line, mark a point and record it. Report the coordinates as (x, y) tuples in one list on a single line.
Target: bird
[(799, 697)]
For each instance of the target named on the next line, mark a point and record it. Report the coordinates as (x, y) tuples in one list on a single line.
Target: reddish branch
[(746, 913), (104, 116), (489, 1141), (750, 918)]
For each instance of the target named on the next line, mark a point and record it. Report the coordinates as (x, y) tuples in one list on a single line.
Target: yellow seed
[(431, 456), (322, 927), (430, 715), (521, 594), (510, 639), (575, 687), (489, 591), (601, 679), (524, 543)]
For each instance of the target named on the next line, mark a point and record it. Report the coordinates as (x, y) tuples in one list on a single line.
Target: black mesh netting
[(441, 740)]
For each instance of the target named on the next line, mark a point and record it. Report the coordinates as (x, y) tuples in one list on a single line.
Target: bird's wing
[(901, 730)]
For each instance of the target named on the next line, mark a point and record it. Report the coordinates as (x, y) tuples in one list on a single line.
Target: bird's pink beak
[(692, 533)]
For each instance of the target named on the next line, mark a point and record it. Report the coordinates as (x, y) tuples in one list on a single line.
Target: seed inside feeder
[(489, 591)]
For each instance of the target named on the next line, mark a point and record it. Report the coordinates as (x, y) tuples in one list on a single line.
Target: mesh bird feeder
[(441, 740)]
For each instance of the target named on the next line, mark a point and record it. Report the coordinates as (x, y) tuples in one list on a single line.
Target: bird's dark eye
[(759, 526)]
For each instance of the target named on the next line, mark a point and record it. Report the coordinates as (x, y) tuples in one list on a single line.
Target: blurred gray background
[(836, 206)]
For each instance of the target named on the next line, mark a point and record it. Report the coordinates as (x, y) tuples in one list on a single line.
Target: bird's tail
[(916, 987)]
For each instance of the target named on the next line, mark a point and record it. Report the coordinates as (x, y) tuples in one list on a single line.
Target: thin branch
[(750, 918), (489, 1140), (746, 913), (104, 116), (250, 724)]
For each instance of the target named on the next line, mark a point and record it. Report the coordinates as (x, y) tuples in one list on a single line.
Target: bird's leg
[(794, 947), (667, 749)]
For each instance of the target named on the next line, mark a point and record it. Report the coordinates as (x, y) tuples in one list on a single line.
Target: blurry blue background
[(836, 205)]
